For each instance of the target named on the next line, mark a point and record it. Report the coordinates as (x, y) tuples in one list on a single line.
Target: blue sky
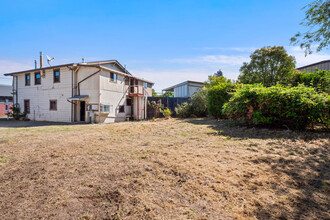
[(163, 41)]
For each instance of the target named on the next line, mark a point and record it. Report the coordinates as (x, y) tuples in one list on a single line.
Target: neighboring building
[(323, 65), (6, 99), (185, 89), (81, 92)]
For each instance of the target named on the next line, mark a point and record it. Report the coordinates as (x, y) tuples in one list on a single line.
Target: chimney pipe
[(41, 58), (35, 64)]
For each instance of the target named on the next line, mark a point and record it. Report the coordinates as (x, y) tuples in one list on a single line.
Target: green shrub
[(197, 106), (157, 107), (294, 107), (16, 113), (217, 96), (319, 79), (198, 103), (183, 110), (166, 112)]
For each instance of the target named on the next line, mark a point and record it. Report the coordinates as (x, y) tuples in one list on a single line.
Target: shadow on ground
[(233, 130), (10, 123), (300, 161)]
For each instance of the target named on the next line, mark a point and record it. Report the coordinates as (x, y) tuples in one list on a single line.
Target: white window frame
[(109, 110)]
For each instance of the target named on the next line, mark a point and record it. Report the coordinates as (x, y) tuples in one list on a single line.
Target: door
[(82, 110)]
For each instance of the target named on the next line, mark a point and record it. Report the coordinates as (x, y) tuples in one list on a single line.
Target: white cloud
[(7, 66), (303, 60), (238, 49), (230, 60)]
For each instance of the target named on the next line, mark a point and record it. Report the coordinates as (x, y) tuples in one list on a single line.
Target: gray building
[(185, 89), (323, 65), (6, 99)]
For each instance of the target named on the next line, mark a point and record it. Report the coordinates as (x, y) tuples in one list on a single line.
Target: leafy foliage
[(16, 113), (167, 94), (196, 107), (268, 65), (294, 107), (154, 93), (317, 19), (157, 107), (217, 95), (166, 112), (319, 79), (183, 110), (218, 73)]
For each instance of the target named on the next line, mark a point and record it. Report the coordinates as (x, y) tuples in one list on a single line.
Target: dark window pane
[(56, 75), (37, 78), (121, 108), (27, 79), (27, 106), (53, 105), (129, 102)]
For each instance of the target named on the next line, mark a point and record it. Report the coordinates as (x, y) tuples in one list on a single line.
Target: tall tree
[(218, 73), (317, 20), (268, 65)]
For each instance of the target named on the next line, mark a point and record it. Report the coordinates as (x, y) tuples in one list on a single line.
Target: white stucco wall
[(113, 93), (39, 96)]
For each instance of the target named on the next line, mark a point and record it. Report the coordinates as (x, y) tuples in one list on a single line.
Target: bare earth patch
[(168, 169)]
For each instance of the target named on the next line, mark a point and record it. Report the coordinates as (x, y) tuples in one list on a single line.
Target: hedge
[(217, 96), (294, 107)]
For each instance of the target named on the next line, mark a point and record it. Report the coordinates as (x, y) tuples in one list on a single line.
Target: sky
[(166, 42)]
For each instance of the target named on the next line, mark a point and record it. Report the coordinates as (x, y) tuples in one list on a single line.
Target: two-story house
[(81, 92)]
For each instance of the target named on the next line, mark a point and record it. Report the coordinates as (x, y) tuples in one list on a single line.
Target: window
[(145, 85), (121, 108), (113, 77), (37, 78), (53, 105), (106, 108), (26, 105), (56, 76), (127, 81), (129, 102), (136, 82), (27, 79)]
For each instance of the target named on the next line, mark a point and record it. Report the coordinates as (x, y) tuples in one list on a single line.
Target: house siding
[(39, 96)]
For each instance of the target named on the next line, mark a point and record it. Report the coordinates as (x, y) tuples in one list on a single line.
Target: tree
[(154, 93), (213, 81), (268, 65), (317, 19), (218, 73), (167, 94)]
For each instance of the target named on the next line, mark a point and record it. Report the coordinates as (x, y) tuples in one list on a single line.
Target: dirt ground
[(166, 169)]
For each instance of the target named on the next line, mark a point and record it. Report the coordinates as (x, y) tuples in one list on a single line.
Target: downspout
[(72, 119), (99, 99), (72, 103), (16, 90)]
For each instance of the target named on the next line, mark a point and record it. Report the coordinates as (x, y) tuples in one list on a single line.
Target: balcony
[(136, 90)]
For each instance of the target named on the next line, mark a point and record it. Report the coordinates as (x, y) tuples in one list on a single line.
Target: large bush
[(197, 106), (294, 107), (217, 96), (319, 79)]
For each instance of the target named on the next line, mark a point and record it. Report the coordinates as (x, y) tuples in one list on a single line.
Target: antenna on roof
[(49, 60)]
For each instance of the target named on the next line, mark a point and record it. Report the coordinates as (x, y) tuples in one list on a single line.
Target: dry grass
[(168, 169)]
